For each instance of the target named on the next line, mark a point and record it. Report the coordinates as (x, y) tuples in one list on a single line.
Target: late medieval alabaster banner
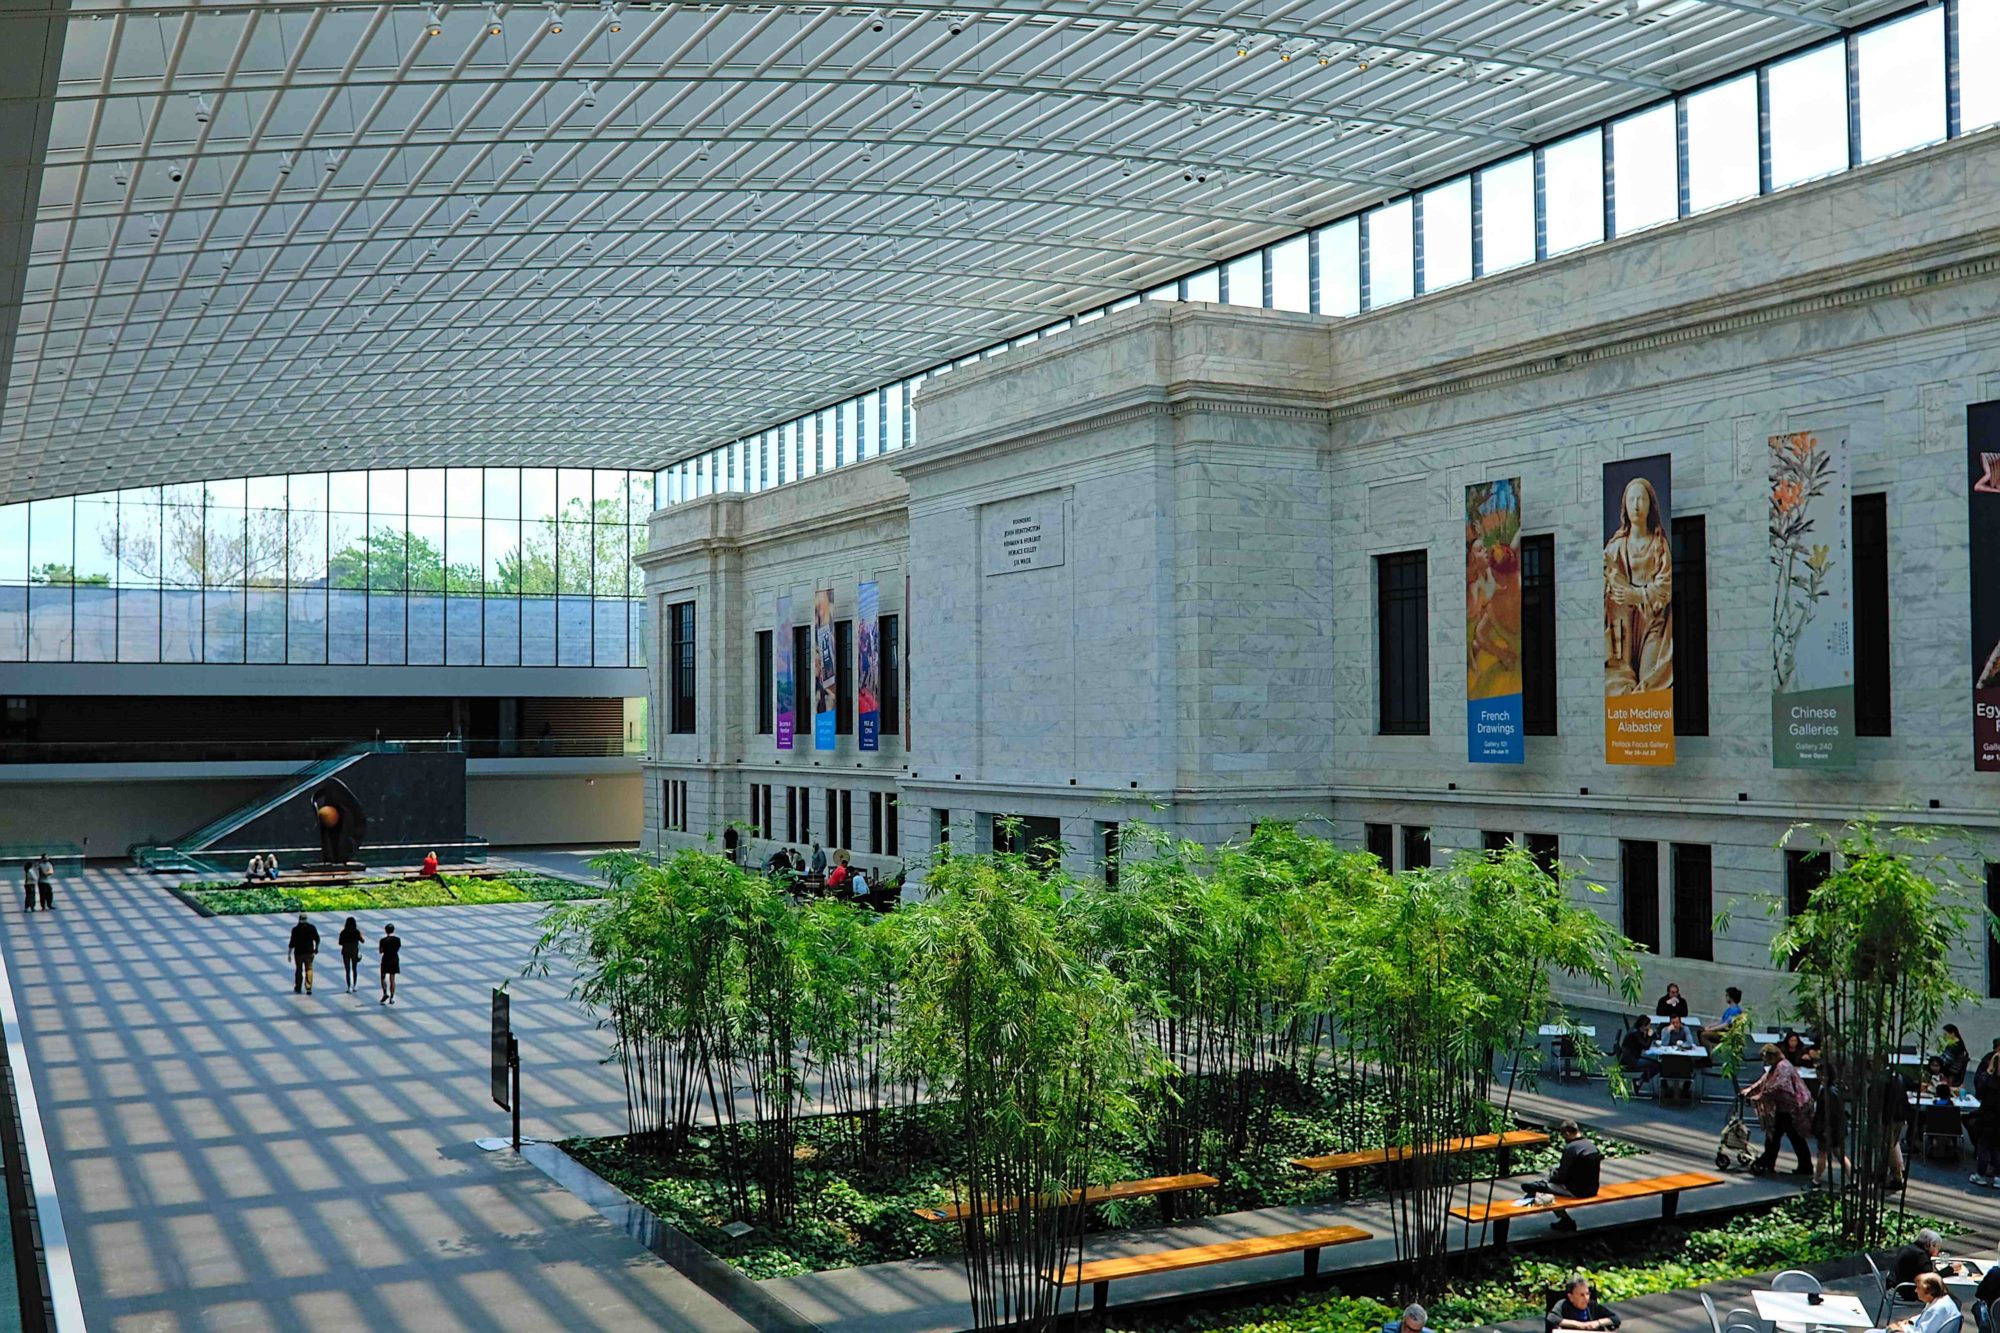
[(1639, 611)]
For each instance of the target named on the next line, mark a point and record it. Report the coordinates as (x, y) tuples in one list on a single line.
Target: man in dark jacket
[(305, 943), (1575, 1176)]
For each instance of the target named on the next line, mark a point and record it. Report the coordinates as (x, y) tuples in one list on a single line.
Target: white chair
[(1890, 1296), (1793, 1279)]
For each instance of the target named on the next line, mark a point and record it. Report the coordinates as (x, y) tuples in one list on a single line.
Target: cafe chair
[(1982, 1317), (1793, 1279), (1676, 1081), (1736, 1321), (1889, 1297), (1942, 1127)]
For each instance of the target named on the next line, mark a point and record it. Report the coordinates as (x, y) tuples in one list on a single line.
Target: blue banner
[(868, 666)]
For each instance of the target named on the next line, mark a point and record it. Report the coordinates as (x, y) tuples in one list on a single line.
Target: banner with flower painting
[(1638, 499), (1982, 493), (1812, 607), (1493, 723)]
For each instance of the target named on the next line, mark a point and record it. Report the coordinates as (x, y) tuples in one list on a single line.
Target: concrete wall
[(526, 802), (1205, 654)]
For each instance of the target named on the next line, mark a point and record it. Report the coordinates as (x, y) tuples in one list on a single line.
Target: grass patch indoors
[(228, 899)]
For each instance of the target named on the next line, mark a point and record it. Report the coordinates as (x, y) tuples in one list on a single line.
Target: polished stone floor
[(231, 1155)]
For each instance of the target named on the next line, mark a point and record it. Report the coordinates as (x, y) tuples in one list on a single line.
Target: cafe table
[(1963, 1100), (1835, 1310), (1962, 1285)]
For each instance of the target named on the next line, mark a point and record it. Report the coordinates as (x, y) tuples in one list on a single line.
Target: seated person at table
[(1956, 1058), (1729, 1022), (1673, 1004), (1937, 1078), (1575, 1176), (1920, 1257), (1940, 1312), (1415, 1319), (1632, 1057), (1795, 1049), (1677, 1034), (1577, 1309)]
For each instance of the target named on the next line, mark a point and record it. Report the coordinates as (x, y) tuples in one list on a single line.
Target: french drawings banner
[(868, 666), (1493, 722), (1812, 606), (825, 677), (1983, 503), (788, 687), (1639, 611)]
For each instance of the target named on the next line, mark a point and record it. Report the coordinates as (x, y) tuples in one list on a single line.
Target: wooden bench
[(1667, 1188), (1099, 1274), (1124, 1189), (1344, 1164)]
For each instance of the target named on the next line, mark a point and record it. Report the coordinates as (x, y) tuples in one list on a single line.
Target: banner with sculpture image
[(1638, 502), (1493, 723), (1982, 434), (1812, 607), (788, 689), (868, 666), (825, 675)]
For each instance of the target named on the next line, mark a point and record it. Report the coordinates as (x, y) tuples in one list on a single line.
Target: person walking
[(390, 947), (350, 954), (1785, 1106), (45, 877), (305, 943)]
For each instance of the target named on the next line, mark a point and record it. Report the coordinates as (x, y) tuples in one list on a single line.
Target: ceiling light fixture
[(434, 24), (614, 14), (492, 20), (1020, 159), (120, 175), (201, 108), (177, 172), (954, 23), (1194, 175), (284, 164), (555, 15), (153, 225), (589, 91), (701, 153), (875, 20)]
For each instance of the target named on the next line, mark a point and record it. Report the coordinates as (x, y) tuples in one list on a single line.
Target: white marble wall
[(1205, 655)]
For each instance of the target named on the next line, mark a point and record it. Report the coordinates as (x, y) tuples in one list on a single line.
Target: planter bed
[(398, 892)]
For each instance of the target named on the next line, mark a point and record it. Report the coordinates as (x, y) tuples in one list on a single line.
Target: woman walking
[(350, 954), (391, 950)]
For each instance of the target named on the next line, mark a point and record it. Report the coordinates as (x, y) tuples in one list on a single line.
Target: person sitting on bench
[(1575, 1176)]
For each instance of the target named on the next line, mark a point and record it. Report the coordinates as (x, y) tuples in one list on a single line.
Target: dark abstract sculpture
[(341, 821)]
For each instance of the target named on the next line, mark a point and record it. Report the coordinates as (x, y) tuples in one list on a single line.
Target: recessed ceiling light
[(493, 20)]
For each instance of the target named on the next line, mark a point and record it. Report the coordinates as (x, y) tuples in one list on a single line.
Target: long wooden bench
[(1124, 1189), (1344, 1164), (1666, 1188), (1099, 1274)]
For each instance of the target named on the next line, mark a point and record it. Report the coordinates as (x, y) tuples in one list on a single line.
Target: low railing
[(300, 750)]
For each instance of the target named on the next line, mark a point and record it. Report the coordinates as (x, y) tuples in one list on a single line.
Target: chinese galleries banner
[(1983, 503), (868, 666), (823, 671), (1493, 622), (1812, 613), (788, 688), (1639, 611)]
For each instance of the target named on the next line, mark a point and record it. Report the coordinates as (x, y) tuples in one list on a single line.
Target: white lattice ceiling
[(308, 235)]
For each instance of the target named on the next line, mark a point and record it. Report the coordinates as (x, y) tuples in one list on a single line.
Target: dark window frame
[(1873, 706), (681, 652), (1694, 901), (1493, 841), (1538, 635), (891, 629), (1416, 846), (802, 690), (767, 684), (1546, 851), (1690, 613), (1379, 840), (1639, 892), (1402, 644), (843, 678)]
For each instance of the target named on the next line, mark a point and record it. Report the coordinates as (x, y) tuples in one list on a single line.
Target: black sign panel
[(503, 1037)]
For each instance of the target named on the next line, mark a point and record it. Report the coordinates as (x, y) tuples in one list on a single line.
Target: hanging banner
[(1812, 608), (824, 673), (1982, 435), (788, 689), (1639, 611), (1493, 725), (868, 666)]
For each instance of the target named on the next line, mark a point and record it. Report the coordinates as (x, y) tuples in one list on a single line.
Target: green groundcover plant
[(854, 1208), (228, 899), (1797, 1232)]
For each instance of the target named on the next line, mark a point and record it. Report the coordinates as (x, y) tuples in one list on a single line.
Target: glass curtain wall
[(402, 567), (1891, 87)]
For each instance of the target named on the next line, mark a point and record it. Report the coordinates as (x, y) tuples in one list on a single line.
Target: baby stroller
[(1734, 1140)]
